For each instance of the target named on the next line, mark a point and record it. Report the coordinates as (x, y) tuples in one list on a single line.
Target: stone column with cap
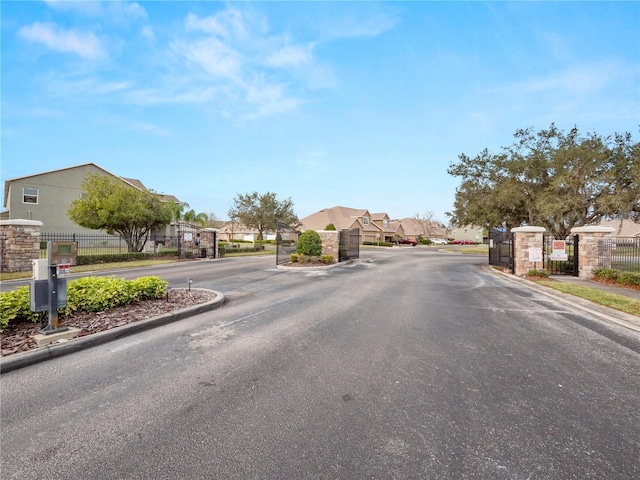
[(589, 248)]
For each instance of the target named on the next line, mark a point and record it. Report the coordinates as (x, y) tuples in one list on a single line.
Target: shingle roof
[(341, 217)]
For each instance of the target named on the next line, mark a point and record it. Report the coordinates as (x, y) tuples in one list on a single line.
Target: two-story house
[(46, 196)]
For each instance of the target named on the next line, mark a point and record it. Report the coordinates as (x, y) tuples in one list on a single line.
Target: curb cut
[(604, 313), (19, 360)]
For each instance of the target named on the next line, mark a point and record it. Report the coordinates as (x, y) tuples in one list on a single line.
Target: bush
[(328, 259), (538, 273), (623, 278), (330, 227), (294, 258), (605, 273), (309, 243), (629, 278), (88, 294), (15, 305)]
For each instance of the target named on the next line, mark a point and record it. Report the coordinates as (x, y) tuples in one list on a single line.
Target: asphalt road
[(410, 364)]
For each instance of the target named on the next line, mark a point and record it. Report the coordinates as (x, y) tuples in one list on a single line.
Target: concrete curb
[(604, 313), (19, 360), (310, 269)]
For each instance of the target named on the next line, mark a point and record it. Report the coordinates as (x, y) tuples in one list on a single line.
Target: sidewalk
[(627, 320), (626, 292)]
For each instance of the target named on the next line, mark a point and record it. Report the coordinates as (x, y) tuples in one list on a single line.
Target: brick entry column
[(525, 238), (20, 244), (588, 247)]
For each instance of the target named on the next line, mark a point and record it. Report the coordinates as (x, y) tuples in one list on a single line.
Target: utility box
[(39, 295), (40, 269)]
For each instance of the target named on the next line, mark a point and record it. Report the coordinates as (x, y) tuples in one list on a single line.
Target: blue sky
[(359, 104)]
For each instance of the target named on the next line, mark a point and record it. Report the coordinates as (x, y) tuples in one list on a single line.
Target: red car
[(407, 241), (462, 242)]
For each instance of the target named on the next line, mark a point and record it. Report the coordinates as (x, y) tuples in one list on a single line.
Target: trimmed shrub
[(328, 259), (294, 258), (309, 243), (15, 305), (629, 278), (88, 294), (538, 273), (330, 227)]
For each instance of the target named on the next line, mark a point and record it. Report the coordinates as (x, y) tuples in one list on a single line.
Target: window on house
[(29, 195), (385, 223), (365, 220)]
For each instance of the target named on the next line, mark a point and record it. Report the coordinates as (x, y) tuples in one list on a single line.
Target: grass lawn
[(612, 300), (468, 249)]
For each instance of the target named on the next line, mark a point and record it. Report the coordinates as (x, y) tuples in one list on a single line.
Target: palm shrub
[(309, 243)]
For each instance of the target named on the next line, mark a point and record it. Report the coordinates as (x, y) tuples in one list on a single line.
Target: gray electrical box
[(39, 295)]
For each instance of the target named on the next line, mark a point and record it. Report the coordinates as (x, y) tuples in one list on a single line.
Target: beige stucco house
[(344, 218), (46, 196)]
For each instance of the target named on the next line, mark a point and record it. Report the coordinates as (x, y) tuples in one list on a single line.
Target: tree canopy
[(550, 178), (110, 204), (262, 211)]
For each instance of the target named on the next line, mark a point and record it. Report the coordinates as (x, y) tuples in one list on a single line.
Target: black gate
[(286, 242), (501, 249), (349, 247), (561, 256)]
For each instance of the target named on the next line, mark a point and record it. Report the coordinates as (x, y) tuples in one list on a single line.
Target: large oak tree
[(111, 205), (550, 178)]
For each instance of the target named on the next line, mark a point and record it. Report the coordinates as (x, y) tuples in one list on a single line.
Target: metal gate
[(561, 256), (349, 246), (501, 249), (286, 242)]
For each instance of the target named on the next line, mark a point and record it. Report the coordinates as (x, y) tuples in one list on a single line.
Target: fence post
[(589, 245), (525, 240)]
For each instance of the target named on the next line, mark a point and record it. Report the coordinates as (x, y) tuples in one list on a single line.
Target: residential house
[(46, 196), (471, 233), (390, 229), (623, 228), (344, 218)]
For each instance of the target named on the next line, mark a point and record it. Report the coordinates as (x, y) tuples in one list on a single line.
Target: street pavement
[(408, 364)]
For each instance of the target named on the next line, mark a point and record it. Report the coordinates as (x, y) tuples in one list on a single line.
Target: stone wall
[(330, 243), (20, 244)]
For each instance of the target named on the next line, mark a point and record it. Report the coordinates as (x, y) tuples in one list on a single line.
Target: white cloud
[(86, 45), (289, 56), (211, 55)]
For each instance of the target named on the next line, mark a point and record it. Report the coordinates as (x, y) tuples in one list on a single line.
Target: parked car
[(462, 242), (439, 241), (407, 241)]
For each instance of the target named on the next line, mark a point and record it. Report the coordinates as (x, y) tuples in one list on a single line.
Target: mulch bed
[(18, 337)]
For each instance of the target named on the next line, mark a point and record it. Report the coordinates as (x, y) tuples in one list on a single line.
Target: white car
[(439, 241)]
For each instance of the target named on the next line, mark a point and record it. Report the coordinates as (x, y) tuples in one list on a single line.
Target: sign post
[(60, 256)]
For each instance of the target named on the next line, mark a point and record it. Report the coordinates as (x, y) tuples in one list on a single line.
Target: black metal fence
[(349, 245), (501, 249), (561, 256), (286, 242), (619, 253)]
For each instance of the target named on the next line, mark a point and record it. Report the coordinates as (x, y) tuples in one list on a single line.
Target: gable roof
[(343, 218), (624, 228), (131, 181)]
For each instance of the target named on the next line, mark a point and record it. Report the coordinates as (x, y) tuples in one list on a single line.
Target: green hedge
[(381, 244), (618, 276), (88, 294)]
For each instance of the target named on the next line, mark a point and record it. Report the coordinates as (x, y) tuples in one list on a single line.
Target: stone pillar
[(330, 243), (209, 240), (589, 247), (524, 239), (20, 244)]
